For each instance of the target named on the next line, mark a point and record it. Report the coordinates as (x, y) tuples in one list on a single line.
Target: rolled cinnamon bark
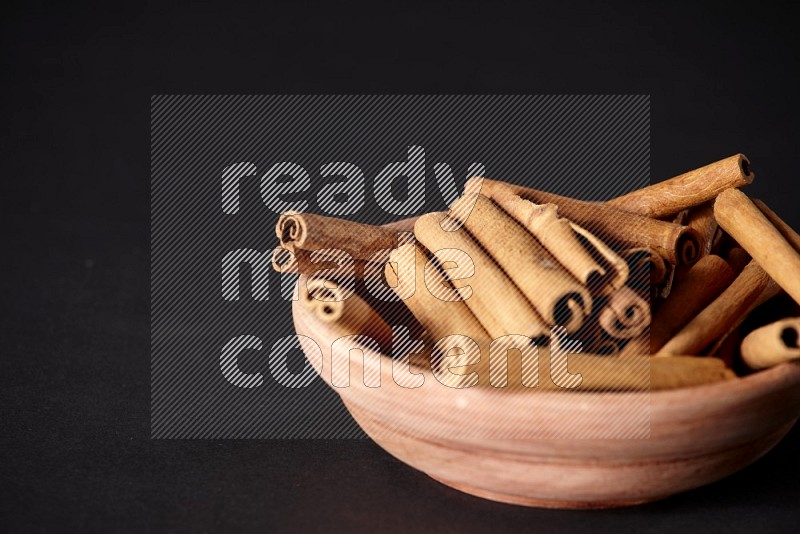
[(506, 368), (702, 220), (351, 314), (285, 261), (490, 294), (617, 270), (723, 314), (684, 374), (687, 190), (636, 347), (624, 373), (617, 373), (311, 232), (772, 344), (786, 231), (644, 261), (558, 297), (626, 315), (307, 262), (771, 290), (697, 289), (678, 244), (430, 303), (738, 258), (742, 219), (585, 256), (555, 234), (429, 296)]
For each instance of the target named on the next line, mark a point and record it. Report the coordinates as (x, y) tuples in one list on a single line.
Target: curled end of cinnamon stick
[(747, 171), (570, 311), (790, 336), (648, 261), (772, 344), (284, 261), (324, 297), (626, 316), (689, 247), (291, 229)]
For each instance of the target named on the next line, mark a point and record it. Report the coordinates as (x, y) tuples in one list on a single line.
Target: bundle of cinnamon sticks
[(663, 276)]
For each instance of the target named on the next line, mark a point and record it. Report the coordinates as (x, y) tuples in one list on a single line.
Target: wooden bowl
[(697, 435)]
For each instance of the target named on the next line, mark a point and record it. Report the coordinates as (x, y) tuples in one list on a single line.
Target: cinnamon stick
[(723, 314), (678, 244), (697, 289), (555, 234), (558, 297), (351, 314), (311, 232), (638, 374), (687, 190), (308, 262), (786, 231), (599, 268), (598, 372), (617, 270), (702, 220), (645, 261), (626, 315), (772, 344), (745, 222), (429, 295), (488, 292)]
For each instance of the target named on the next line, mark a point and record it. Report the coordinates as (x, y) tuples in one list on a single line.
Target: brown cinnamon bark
[(743, 220), (617, 271), (788, 233), (697, 289), (558, 297), (504, 368), (351, 314), (772, 344), (587, 258), (723, 314), (428, 294), (309, 262), (311, 232), (488, 292), (687, 190), (626, 315), (600, 373), (555, 234), (702, 220), (678, 244), (645, 261)]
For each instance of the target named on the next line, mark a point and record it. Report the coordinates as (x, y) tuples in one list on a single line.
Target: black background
[(77, 82)]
